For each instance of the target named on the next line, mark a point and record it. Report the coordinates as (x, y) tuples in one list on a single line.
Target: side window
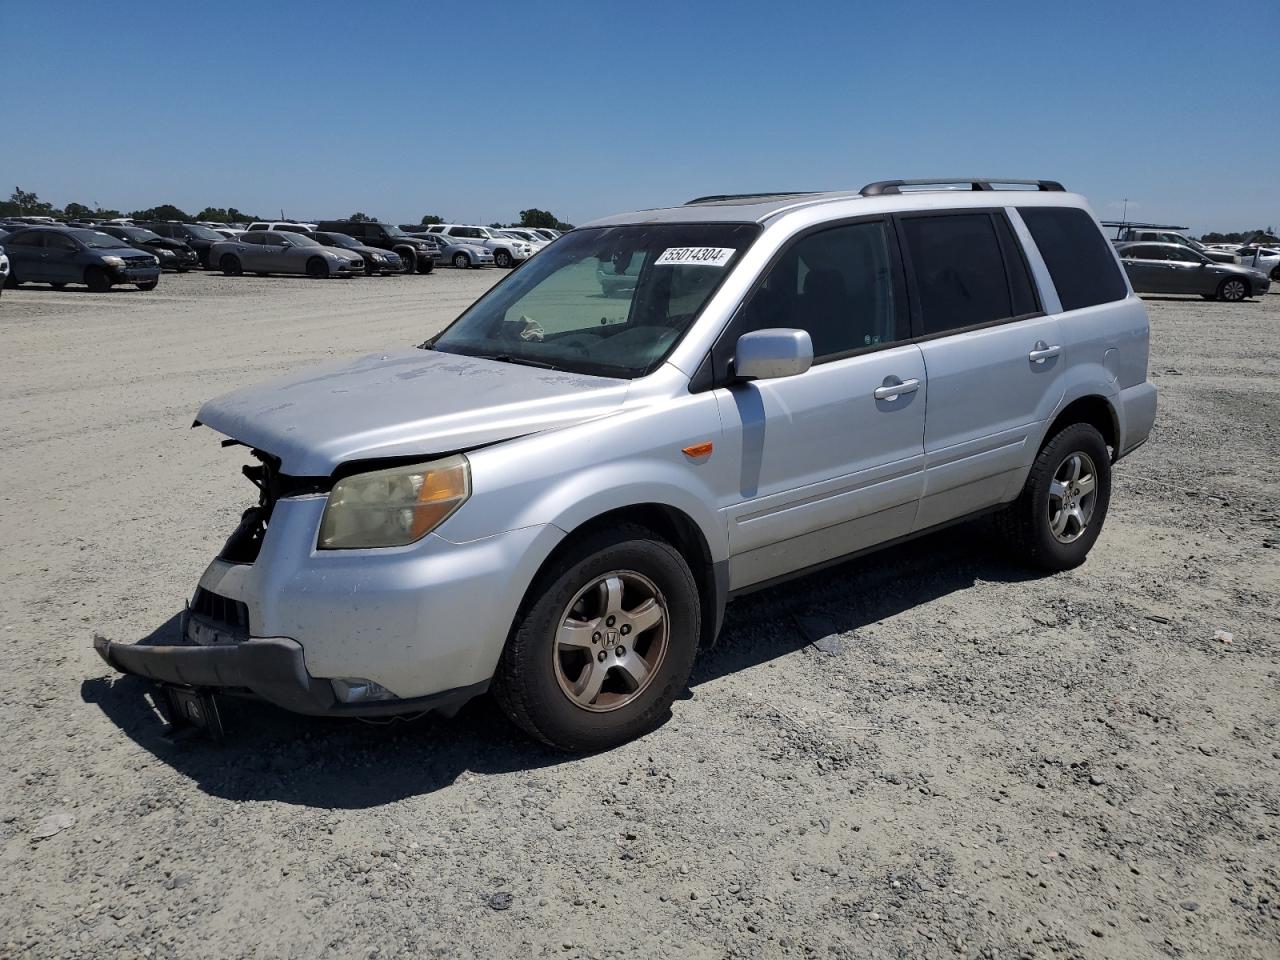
[(257, 226), (61, 244), (374, 232), (959, 270), (1080, 262), (272, 240), (25, 240), (838, 284), (253, 238)]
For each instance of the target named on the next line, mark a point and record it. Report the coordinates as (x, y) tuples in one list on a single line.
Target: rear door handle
[(1043, 352), (891, 391)]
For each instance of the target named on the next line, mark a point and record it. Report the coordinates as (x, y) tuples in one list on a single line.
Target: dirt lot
[(980, 762)]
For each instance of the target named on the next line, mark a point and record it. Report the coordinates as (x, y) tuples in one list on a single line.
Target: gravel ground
[(970, 761)]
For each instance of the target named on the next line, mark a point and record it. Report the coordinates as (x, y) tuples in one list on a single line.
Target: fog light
[(359, 690)]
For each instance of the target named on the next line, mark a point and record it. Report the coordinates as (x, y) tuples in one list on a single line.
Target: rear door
[(991, 354), (27, 256), (1148, 269), (830, 460)]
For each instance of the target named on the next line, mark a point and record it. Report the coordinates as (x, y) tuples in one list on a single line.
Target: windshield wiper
[(523, 361)]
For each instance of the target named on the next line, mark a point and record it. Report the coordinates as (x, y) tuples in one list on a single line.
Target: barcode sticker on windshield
[(696, 256)]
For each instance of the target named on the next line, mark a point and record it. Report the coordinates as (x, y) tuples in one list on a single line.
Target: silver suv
[(556, 497)]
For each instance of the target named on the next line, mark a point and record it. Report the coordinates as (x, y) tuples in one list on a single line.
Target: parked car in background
[(1263, 259), (557, 507), (4, 265), (1168, 236), (1177, 268), (460, 253), (61, 255), (172, 254), (535, 240), (376, 260), (507, 251), (288, 226), (413, 251), (198, 238), (284, 251)]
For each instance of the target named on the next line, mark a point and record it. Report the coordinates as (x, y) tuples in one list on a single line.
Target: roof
[(880, 197)]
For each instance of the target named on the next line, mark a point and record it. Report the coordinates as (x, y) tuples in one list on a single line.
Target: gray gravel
[(925, 753)]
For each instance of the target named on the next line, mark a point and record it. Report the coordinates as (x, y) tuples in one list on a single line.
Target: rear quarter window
[(1079, 259)]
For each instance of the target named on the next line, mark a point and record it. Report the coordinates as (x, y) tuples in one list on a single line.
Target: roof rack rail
[(748, 196), (1146, 226), (883, 187)]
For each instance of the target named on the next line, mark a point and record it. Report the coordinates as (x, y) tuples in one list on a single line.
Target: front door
[(829, 461), (62, 257), (993, 358)]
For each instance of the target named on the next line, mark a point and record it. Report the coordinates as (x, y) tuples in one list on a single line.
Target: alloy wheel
[(611, 641), (1233, 290), (1073, 493)]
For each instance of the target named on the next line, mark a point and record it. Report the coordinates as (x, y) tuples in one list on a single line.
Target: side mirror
[(771, 354), (286, 243)]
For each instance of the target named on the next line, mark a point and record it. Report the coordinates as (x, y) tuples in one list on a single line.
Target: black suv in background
[(412, 250), (198, 238)]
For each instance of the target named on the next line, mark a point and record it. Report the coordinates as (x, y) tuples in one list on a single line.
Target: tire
[(183, 269), (97, 280), (426, 266), (57, 285), (147, 285), (317, 268), (229, 264), (12, 282), (461, 261), (1028, 524), (1233, 289), (1275, 274), (501, 258), (408, 257), (368, 269), (537, 675)]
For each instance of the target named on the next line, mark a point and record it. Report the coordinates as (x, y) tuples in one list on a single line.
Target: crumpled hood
[(408, 403)]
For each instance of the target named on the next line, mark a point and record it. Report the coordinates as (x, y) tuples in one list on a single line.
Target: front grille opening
[(230, 614)]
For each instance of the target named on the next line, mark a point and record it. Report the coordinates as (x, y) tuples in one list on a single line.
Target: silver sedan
[(268, 251)]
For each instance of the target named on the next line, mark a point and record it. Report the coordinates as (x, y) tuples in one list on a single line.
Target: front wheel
[(96, 279), (461, 261), (502, 259), (1233, 290), (604, 643), (1057, 518), (426, 266), (230, 265), (408, 259), (317, 268)]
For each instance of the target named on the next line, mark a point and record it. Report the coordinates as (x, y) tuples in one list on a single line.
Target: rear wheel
[(1057, 518), (461, 261), (604, 644), (97, 280), (501, 258), (1233, 290), (230, 265), (317, 268)]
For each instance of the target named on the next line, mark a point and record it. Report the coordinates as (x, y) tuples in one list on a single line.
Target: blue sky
[(476, 110)]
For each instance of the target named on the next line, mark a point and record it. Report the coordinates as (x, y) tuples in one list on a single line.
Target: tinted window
[(65, 244), (257, 226), (254, 238), (837, 284), (959, 271), (1078, 257), (32, 238)]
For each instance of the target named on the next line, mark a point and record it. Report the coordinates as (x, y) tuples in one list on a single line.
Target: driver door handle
[(891, 391), (1042, 352)]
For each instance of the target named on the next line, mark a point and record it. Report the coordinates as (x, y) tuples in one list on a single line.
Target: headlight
[(114, 261), (166, 253), (379, 258), (391, 508)]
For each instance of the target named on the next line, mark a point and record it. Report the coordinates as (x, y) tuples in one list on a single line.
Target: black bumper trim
[(272, 668)]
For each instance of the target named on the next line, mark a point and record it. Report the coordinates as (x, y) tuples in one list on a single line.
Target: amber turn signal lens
[(697, 450)]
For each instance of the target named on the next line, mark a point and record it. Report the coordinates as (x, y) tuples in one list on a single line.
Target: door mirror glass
[(772, 353)]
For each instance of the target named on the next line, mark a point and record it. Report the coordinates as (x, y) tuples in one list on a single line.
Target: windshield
[(610, 301), (392, 231), (339, 240), (202, 233), (139, 234), (96, 240)]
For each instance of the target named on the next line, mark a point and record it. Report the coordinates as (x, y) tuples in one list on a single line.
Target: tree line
[(26, 203)]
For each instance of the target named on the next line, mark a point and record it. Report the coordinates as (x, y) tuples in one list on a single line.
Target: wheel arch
[(672, 525), (1093, 409)]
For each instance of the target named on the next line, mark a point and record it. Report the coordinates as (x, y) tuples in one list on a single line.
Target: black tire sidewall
[(229, 264), (1222, 291), (502, 259), (530, 652), (465, 261), (96, 279), (1077, 438)]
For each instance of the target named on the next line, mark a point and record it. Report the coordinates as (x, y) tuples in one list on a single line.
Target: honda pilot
[(555, 498)]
